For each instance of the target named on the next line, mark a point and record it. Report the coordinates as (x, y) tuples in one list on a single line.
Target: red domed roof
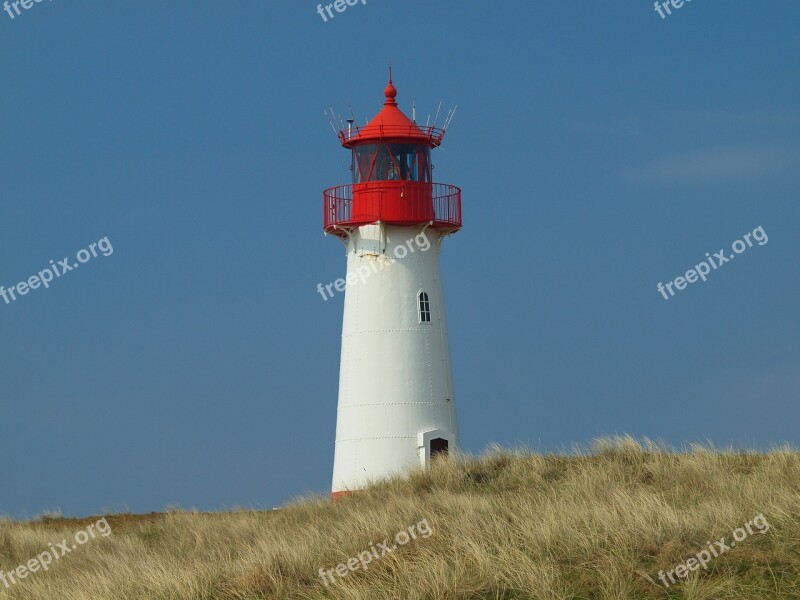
[(391, 123)]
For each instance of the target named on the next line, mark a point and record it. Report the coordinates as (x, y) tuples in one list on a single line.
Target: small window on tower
[(424, 308)]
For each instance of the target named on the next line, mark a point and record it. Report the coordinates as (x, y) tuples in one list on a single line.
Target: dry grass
[(509, 525)]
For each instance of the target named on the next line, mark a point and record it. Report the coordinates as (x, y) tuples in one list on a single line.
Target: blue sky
[(601, 150)]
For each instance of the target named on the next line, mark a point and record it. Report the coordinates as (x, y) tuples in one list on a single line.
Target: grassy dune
[(598, 524)]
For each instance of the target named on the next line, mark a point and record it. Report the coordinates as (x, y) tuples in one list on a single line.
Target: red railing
[(432, 134), (392, 202)]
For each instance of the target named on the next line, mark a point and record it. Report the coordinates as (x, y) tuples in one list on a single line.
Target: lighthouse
[(397, 406)]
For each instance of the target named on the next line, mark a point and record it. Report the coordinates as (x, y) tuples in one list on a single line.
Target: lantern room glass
[(391, 162)]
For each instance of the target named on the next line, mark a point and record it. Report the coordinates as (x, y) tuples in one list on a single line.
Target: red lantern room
[(392, 176)]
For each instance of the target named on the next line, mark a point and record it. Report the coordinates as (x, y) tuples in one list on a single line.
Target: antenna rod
[(450, 116), (336, 119), (328, 117), (436, 118)]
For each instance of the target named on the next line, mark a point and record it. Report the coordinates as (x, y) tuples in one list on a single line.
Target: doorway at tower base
[(434, 444), (430, 445)]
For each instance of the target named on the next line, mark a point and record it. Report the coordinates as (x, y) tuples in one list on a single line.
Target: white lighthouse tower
[(396, 402)]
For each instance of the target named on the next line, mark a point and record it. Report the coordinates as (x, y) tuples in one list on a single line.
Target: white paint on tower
[(396, 399)]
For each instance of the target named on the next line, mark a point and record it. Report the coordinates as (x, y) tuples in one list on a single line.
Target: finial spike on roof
[(390, 92)]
